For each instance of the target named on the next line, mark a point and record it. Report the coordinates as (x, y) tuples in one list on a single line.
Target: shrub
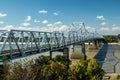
[(78, 71), (86, 70), (94, 70), (62, 59), (55, 71), (18, 71), (42, 60)]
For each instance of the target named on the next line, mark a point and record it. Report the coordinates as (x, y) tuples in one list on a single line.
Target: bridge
[(22, 43)]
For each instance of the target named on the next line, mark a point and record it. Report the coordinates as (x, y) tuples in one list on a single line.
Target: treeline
[(59, 68), (111, 38)]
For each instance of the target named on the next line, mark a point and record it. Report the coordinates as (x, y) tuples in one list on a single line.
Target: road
[(109, 57)]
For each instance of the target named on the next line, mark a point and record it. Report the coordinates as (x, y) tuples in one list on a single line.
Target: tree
[(78, 71), (62, 59), (42, 60), (55, 71), (93, 70), (86, 70), (20, 71)]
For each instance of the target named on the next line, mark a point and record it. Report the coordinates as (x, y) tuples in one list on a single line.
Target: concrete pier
[(65, 52)]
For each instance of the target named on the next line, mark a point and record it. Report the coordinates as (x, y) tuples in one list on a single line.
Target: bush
[(20, 71), (78, 71), (45, 69), (94, 70), (86, 70), (62, 59), (55, 71), (42, 60), (118, 77)]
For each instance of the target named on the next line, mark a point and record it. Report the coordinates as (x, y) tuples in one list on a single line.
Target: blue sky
[(102, 15)]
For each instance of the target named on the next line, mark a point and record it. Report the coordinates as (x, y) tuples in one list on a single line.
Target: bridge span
[(21, 43)]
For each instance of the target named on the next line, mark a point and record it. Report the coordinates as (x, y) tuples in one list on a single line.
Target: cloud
[(7, 27), (56, 13), (3, 14), (109, 30), (36, 21), (103, 23), (102, 30), (44, 21), (58, 22), (100, 17), (114, 25), (63, 28), (25, 24), (52, 28), (42, 11), (1, 22), (49, 25), (90, 29), (28, 18)]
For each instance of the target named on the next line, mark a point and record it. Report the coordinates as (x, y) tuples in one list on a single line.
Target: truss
[(19, 43)]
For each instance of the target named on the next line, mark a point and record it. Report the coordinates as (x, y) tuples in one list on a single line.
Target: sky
[(102, 16)]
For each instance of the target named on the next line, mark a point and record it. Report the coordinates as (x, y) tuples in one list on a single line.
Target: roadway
[(109, 57)]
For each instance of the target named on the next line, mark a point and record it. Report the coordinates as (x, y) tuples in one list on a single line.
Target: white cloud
[(3, 14), (44, 21), (25, 24), (103, 23), (1, 22), (36, 21), (56, 13), (63, 28), (58, 22), (28, 18), (49, 25), (100, 17), (42, 11), (7, 27), (109, 30), (90, 29), (114, 25)]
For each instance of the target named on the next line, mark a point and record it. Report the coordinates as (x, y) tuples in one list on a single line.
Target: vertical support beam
[(23, 52), (39, 40), (73, 48), (66, 52), (88, 43), (84, 51), (10, 46), (31, 40), (50, 55), (95, 44)]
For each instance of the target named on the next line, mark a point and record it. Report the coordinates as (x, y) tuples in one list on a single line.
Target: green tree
[(54, 71), (94, 71), (78, 71), (86, 70), (62, 59), (42, 60)]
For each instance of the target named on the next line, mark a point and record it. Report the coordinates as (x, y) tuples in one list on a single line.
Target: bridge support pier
[(79, 51), (84, 51), (65, 52), (98, 43), (95, 45)]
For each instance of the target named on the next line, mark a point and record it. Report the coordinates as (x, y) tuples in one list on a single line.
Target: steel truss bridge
[(21, 43)]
